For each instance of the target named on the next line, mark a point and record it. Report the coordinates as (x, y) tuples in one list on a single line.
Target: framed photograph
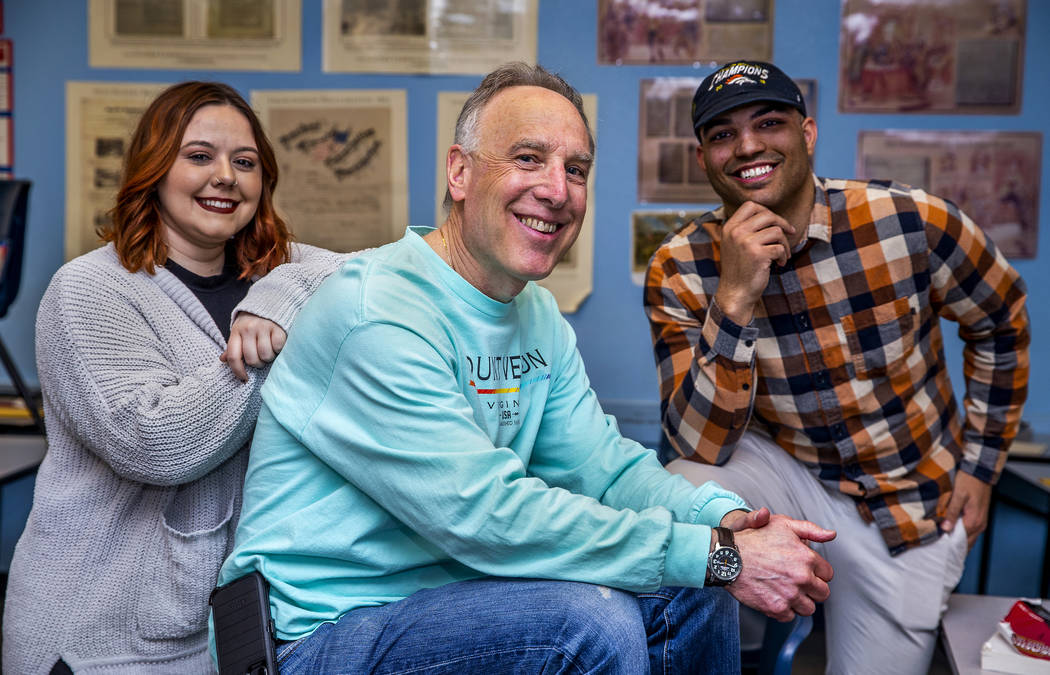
[(100, 118), (195, 34), (648, 230), (951, 56), (993, 176), (684, 31), (427, 36)]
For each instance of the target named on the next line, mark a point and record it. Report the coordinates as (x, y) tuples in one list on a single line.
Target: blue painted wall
[(50, 48)]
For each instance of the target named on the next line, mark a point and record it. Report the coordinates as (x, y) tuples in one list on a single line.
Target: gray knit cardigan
[(137, 499)]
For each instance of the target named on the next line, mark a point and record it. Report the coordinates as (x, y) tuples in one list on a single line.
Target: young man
[(432, 483), (797, 338)]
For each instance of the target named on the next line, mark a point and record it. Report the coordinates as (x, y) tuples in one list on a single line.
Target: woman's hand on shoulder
[(254, 341)]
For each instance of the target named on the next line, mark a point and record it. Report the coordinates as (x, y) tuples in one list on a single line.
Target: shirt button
[(749, 343), (838, 431), (746, 386), (802, 321), (822, 381)]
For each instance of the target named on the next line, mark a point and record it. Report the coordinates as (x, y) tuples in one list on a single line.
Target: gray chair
[(14, 199)]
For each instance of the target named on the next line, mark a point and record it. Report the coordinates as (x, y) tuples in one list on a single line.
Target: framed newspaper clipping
[(684, 31), (949, 56), (100, 118), (195, 34), (993, 176), (343, 164), (427, 36)]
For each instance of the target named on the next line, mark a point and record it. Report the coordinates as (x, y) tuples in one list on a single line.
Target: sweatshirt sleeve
[(394, 423), (580, 448)]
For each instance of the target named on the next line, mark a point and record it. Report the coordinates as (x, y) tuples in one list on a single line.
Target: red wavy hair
[(135, 228)]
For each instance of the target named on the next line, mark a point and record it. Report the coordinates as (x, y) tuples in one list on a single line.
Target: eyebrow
[(211, 146), (764, 110), (543, 146)]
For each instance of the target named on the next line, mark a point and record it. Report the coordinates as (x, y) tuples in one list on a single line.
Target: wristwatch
[(724, 562)]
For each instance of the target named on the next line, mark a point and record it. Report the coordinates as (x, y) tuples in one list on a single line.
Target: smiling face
[(521, 196), (761, 153), (212, 189)]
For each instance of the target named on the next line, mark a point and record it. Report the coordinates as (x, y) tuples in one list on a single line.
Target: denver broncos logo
[(740, 79)]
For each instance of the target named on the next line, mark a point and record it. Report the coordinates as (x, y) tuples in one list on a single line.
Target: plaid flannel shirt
[(843, 364)]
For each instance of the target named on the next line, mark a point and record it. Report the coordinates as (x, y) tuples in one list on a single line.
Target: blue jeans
[(494, 625)]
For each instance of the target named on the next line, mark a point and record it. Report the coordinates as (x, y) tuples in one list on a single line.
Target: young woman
[(148, 403)]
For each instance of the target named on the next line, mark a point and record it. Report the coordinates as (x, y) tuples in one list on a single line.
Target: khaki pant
[(883, 612)]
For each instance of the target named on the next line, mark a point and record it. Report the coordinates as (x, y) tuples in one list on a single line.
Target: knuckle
[(779, 606)]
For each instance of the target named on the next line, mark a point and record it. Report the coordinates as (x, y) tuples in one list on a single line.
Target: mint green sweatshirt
[(415, 432)]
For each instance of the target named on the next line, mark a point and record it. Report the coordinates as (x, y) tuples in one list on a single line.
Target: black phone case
[(244, 642)]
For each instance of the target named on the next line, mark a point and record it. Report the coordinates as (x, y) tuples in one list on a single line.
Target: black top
[(219, 294)]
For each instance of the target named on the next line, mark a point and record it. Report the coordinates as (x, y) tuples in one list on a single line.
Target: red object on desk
[(1031, 630)]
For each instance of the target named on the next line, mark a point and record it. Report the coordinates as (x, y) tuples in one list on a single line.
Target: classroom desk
[(20, 455), (967, 625), (1021, 487)]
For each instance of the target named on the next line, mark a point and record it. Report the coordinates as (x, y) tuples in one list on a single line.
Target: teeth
[(217, 203), (539, 225), (755, 172)]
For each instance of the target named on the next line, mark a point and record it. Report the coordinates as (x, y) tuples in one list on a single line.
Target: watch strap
[(723, 539)]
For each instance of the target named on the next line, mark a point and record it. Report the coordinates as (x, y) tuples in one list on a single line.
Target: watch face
[(724, 564)]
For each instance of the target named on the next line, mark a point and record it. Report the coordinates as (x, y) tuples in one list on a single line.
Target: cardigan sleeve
[(280, 295), (111, 373)]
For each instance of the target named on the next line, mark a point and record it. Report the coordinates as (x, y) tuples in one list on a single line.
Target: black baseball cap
[(738, 83)]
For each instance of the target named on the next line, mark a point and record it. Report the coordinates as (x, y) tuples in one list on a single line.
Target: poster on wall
[(427, 36), (648, 230), (572, 279), (993, 176), (100, 118), (667, 166), (684, 31), (342, 159), (951, 56), (7, 134), (195, 34)]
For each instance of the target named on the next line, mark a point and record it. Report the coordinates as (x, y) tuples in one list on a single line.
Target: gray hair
[(515, 74)]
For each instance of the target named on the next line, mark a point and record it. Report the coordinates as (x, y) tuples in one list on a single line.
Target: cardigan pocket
[(880, 338), (184, 567)]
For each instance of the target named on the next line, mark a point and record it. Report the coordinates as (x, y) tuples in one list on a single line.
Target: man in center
[(433, 486)]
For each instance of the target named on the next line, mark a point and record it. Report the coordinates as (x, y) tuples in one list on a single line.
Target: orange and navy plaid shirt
[(843, 364)]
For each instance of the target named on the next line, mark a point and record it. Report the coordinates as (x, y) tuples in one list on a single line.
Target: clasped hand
[(782, 575), (254, 341)]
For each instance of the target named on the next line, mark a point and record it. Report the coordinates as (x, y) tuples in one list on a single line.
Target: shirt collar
[(820, 219)]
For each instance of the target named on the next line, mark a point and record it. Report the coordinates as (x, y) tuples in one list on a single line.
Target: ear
[(700, 157), (456, 170), (809, 133)]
